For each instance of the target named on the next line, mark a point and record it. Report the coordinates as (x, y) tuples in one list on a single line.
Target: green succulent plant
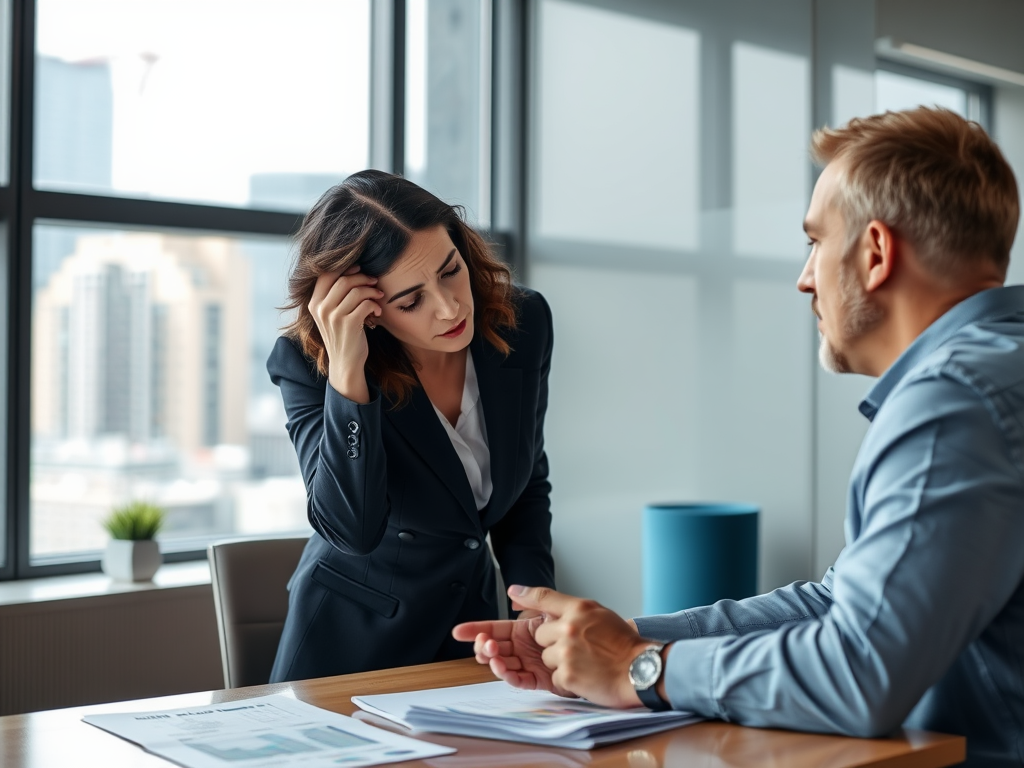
[(135, 521)]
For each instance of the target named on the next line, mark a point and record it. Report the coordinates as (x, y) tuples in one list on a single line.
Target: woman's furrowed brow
[(407, 291)]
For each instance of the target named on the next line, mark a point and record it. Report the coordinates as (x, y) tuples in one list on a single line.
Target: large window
[(148, 344), (148, 382), (161, 154), (251, 104)]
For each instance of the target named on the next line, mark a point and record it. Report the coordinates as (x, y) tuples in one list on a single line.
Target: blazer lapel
[(500, 394), (420, 426)]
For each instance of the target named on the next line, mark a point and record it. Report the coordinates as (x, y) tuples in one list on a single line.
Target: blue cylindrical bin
[(695, 554)]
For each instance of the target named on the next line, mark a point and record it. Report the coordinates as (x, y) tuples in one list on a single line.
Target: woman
[(415, 378)]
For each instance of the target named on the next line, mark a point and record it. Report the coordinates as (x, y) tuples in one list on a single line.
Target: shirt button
[(353, 453), (471, 544), (406, 535), (458, 587), (353, 428)]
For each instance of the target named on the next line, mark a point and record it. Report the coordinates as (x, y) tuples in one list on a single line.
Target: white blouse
[(469, 437)]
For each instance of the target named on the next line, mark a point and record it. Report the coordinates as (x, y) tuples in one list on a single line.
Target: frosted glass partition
[(852, 89), (669, 179), (622, 418), (616, 165), (771, 111), (894, 91)]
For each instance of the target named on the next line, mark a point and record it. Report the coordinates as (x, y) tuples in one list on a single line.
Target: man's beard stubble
[(861, 315)]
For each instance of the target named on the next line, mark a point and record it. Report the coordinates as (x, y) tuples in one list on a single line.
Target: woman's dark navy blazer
[(398, 556)]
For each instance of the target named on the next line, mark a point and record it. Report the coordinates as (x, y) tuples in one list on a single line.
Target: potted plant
[(132, 554)]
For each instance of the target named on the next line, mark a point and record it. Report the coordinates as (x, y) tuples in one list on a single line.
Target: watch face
[(645, 669)]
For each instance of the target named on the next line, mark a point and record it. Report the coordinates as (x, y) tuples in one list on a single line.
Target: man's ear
[(878, 254)]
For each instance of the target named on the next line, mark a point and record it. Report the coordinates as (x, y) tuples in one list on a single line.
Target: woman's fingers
[(366, 308), (344, 285), (332, 287), (324, 283), (358, 303)]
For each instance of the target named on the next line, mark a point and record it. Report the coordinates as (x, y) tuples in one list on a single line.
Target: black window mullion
[(8, 218), (19, 275), (100, 209), (398, 87)]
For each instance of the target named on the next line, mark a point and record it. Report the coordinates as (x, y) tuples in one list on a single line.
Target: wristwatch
[(644, 673)]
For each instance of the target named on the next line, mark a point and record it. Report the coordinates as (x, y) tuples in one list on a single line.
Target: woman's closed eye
[(419, 296), (453, 271), (412, 305)]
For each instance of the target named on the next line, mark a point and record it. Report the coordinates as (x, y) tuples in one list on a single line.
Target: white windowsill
[(52, 588)]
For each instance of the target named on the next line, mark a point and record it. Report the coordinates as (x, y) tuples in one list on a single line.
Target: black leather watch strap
[(649, 698)]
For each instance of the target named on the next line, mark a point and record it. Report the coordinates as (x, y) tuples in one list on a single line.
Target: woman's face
[(427, 303)]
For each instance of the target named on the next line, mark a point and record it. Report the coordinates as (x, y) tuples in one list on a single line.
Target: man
[(920, 621)]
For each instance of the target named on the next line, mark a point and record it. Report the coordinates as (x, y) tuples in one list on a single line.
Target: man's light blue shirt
[(920, 621)]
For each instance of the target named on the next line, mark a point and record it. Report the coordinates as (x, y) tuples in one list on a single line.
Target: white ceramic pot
[(131, 560)]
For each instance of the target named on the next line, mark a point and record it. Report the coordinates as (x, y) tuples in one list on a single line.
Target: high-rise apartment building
[(144, 336)]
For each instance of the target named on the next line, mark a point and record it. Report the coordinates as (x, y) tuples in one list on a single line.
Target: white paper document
[(499, 711), (264, 731)]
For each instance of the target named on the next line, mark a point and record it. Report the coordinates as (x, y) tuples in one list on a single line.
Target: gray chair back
[(251, 599)]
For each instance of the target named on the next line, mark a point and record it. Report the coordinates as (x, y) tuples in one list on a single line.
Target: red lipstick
[(456, 331)]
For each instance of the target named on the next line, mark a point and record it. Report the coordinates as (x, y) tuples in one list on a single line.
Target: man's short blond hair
[(936, 179)]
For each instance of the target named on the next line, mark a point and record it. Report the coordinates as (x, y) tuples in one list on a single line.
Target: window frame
[(22, 207), (981, 91)]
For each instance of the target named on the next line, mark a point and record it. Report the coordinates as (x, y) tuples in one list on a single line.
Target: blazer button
[(471, 544), (353, 453), (406, 535), (353, 427), (353, 440), (458, 587)]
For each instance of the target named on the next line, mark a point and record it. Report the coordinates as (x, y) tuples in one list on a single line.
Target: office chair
[(250, 597)]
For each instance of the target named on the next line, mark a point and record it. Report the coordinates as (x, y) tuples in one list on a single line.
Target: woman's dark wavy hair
[(368, 220)]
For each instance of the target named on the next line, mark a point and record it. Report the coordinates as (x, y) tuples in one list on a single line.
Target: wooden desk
[(59, 738)]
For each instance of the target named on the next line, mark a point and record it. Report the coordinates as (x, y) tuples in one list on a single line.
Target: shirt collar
[(988, 304), (471, 388)]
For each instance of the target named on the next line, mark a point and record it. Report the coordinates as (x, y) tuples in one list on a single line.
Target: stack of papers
[(499, 711), (263, 731)]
